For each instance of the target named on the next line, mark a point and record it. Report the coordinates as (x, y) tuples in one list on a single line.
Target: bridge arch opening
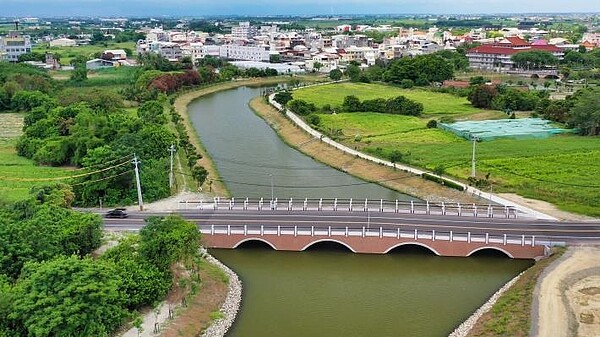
[(494, 252), (412, 248), (255, 243), (328, 245)]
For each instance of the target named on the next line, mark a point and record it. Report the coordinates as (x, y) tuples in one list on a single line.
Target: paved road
[(543, 230)]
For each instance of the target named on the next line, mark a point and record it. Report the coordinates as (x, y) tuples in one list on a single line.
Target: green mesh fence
[(513, 128)]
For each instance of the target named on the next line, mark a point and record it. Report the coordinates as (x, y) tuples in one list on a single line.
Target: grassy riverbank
[(559, 169), (213, 184), (511, 315), (366, 170)]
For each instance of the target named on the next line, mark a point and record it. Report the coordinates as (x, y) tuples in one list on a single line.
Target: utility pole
[(136, 162), (172, 150), (473, 160)]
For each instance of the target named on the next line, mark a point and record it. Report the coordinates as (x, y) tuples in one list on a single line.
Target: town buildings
[(14, 45)]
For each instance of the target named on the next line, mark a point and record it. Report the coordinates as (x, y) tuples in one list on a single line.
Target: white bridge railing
[(371, 232), (353, 205)]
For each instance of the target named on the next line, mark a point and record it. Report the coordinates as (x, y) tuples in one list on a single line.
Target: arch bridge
[(368, 240)]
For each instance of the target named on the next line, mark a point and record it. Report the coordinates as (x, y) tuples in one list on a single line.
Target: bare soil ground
[(569, 301), (386, 176), (545, 207), (191, 320)]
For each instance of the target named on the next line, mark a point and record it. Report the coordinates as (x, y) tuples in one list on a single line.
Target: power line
[(102, 179), (65, 177)]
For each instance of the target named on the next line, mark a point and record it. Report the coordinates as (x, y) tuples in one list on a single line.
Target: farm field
[(561, 169), (14, 168)]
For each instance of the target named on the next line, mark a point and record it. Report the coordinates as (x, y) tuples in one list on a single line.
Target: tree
[(200, 174), (335, 74), (301, 107), (152, 112), (482, 96), (353, 72), (535, 59), (166, 240), (142, 282), (69, 296), (585, 114), (282, 97), (79, 73), (396, 156), (352, 104), (317, 66)]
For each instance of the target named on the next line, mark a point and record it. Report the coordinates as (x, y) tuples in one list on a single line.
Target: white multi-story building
[(244, 31), (244, 53), (169, 50), (14, 45)]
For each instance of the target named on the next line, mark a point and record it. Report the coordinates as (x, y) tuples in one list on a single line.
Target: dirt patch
[(545, 207), (11, 125), (563, 309), (584, 300), (590, 291), (366, 170), (194, 318)]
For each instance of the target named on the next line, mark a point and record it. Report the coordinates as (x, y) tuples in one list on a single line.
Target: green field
[(433, 103), (17, 173), (68, 53), (561, 169)]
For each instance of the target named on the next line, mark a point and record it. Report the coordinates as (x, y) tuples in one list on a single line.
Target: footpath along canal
[(329, 291)]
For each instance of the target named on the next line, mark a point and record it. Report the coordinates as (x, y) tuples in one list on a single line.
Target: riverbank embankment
[(213, 185), (389, 177)]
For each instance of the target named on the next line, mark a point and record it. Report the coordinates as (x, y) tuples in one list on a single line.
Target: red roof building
[(497, 56)]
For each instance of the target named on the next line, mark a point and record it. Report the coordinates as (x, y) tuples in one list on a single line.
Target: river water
[(328, 292)]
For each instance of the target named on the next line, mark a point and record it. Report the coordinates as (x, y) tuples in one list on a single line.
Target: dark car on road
[(116, 213)]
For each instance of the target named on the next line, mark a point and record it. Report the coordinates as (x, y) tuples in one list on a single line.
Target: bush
[(442, 181), (313, 119), (432, 124), (407, 83)]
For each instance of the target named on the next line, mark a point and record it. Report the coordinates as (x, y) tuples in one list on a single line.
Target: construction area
[(512, 128)]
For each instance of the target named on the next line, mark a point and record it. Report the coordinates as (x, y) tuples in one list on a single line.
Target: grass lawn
[(118, 77), (561, 169), (13, 169), (433, 103), (69, 53)]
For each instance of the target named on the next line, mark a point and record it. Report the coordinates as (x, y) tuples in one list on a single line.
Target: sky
[(198, 8)]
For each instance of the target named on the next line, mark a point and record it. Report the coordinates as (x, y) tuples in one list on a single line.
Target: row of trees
[(503, 98), (399, 105), (407, 71), (49, 284)]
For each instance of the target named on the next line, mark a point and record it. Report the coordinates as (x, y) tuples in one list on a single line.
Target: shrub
[(432, 124), (442, 181)]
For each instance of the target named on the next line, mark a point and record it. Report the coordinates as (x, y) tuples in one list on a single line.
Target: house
[(64, 42), (100, 63), (14, 45), (117, 54), (497, 56)]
